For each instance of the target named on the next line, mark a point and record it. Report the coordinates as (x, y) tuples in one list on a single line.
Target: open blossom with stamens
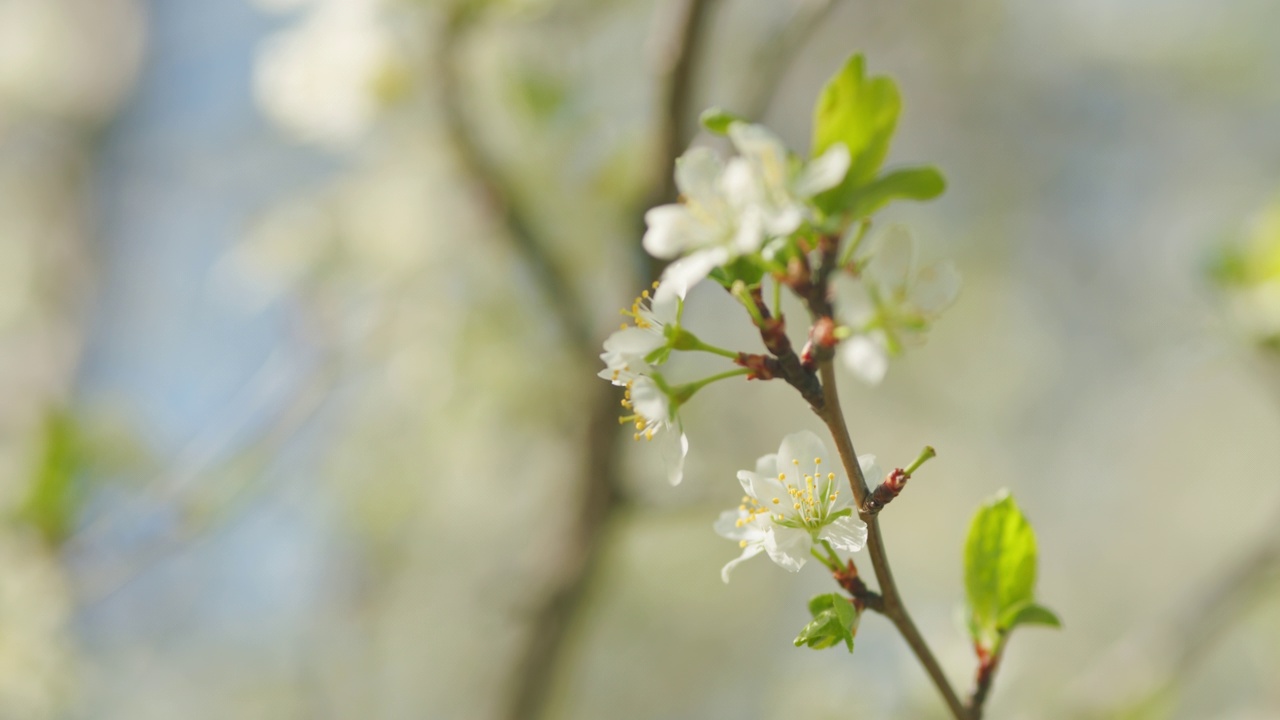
[(793, 501), (654, 418), (629, 356), (627, 351), (901, 301)]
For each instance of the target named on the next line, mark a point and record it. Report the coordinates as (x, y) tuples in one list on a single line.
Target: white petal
[(789, 547), (634, 341), (748, 552), (697, 173), (665, 312), (935, 288), (740, 185), (727, 526), (767, 465), (751, 231), (870, 470), (758, 142), (891, 265), (649, 400), (823, 172), (802, 447), (784, 220), (866, 358), (673, 447), (683, 274), (766, 489), (846, 533), (671, 231)]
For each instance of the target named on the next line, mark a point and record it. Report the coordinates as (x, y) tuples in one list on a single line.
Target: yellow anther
[(743, 508), (740, 522), (796, 506), (817, 461), (832, 498), (782, 476), (776, 501), (831, 476), (742, 543)]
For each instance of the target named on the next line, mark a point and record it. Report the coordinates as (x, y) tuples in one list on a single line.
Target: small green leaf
[(834, 620), (1000, 563), (52, 503), (718, 120), (921, 183), (1029, 613), (742, 269), (862, 113)]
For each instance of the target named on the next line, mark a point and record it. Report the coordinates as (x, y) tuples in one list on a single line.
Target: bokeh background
[(299, 307)]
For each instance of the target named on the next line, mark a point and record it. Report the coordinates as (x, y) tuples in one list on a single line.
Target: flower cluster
[(768, 215)]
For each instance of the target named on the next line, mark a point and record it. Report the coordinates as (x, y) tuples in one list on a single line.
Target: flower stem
[(853, 246), (894, 609), (692, 342), (686, 391)]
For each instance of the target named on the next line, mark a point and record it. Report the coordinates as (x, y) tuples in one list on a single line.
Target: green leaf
[(52, 502), (1028, 613), (718, 120), (835, 620), (920, 183), (1000, 563), (742, 268), (862, 113)]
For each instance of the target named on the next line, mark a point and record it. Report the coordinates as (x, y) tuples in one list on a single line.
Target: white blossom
[(782, 186), (899, 303), (791, 503), (627, 350), (727, 210), (628, 358)]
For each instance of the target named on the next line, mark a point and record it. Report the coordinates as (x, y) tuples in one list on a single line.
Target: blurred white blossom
[(322, 78), (895, 304)]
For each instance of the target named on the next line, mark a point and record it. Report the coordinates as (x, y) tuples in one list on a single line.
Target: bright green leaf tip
[(718, 120)]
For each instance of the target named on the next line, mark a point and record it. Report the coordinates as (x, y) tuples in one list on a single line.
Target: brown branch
[(597, 482), (498, 194), (894, 608), (988, 663)]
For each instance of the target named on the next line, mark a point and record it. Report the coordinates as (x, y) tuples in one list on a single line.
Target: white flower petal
[(634, 341), (686, 272), (866, 357), (727, 526), (671, 231), (748, 552), (802, 447), (767, 465), (823, 172), (673, 446), (935, 288), (697, 173), (870, 470), (846, 533), (650, 401), (751, 231), (789, 547), (892, 263)]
